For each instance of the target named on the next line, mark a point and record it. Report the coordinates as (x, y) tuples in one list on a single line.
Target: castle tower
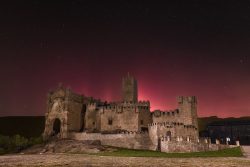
[(188, 108), (129, 89)]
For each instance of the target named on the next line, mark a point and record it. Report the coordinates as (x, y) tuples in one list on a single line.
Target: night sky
[(174, 48)]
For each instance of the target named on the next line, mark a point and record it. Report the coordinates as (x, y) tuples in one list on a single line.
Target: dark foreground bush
[(16, 143), (2, 151)]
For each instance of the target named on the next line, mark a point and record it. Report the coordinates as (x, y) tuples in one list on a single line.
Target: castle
[(128, 123)]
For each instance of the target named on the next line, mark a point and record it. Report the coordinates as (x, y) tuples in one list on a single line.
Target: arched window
[(110, 121), (168, 135)]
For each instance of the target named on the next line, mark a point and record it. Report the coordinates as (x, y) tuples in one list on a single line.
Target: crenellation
[(128, 117)]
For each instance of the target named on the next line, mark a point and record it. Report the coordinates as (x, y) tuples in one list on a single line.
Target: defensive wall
[(131, 140)]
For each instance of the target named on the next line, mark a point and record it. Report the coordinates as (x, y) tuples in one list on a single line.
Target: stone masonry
[(128, 123)]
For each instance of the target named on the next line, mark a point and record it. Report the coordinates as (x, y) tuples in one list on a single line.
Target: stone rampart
[(187, 146), (130, 140)]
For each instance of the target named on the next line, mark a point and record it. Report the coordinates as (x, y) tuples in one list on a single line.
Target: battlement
[(133, 132), (111, 107), (188, 107), (186, 139), (58, 93), (91, 106), (64, 94), (121, 108), (139, 103), (129, 89), (190, 99), (171, 125), (158, 113), (126, 105), (143, 102)]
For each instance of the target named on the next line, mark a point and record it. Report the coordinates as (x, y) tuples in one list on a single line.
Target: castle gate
[(57, 126)]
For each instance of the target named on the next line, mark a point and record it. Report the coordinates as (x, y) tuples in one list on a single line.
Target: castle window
[(110, 121), (141, 122)]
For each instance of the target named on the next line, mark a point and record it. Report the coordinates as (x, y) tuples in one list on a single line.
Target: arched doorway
[(57, 126), (168, 135), (159, 144)]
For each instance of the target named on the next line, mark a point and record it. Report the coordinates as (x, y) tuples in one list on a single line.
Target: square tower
[(188, 108), (64, 113), (129, 89)]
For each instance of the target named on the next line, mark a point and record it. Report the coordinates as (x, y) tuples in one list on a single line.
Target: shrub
[(4, 142), (35, 140), (2, 151), (19, 142)]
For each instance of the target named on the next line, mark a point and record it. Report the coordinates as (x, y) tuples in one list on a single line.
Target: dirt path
[(91, 161), (246, 150)]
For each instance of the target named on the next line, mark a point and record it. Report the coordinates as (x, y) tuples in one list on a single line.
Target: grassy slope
[(231, 152)]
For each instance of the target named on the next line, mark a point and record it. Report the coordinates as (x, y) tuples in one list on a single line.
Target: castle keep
[(128, 123)]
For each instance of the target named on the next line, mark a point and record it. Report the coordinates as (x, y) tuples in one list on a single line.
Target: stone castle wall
[(125, 119), (65, 106), (185, 113), (171, 131), (75, 116), (92, 118), (107, 121), (187, 106), (185, 146), (129, 89), (127, 116), (145, 118), (128, 140), (167, 116), (143, 141)]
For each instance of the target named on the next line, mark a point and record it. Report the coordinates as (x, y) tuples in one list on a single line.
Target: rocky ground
[(246, 151), (78, 160), (68, 146), (76, 154)]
